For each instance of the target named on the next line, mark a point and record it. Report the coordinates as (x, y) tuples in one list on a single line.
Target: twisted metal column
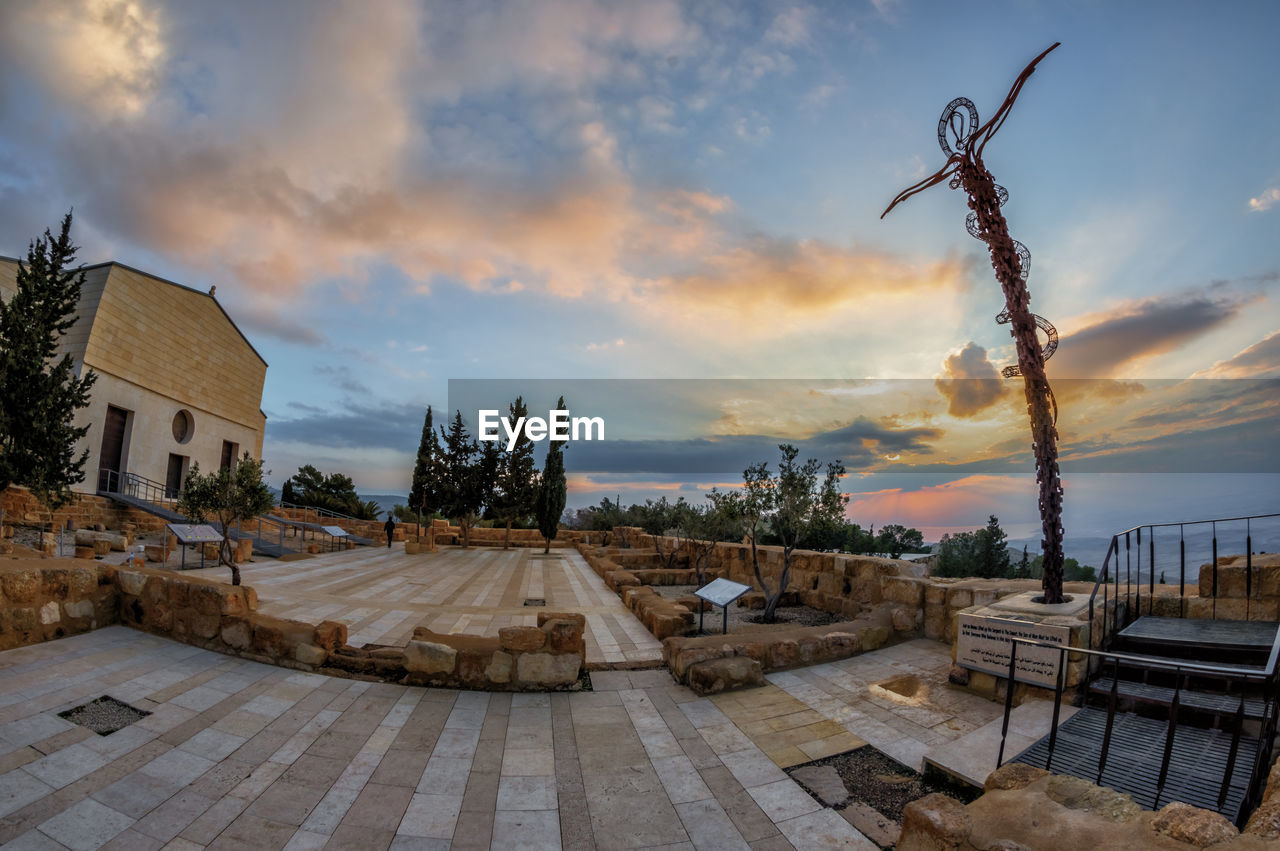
[(1012, 263)]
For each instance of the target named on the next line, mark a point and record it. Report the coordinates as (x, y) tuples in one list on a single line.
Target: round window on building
[(183, 426)]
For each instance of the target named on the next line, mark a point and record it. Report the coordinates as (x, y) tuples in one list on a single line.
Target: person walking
[(390, 527)]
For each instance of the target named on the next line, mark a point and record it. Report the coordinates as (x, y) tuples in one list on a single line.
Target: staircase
[(1178, 710), (152, 497)]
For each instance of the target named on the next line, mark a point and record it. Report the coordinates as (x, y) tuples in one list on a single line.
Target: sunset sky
[(392, 195)]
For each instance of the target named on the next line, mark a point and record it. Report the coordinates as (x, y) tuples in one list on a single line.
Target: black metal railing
[(1157, 549), (1244, 681)]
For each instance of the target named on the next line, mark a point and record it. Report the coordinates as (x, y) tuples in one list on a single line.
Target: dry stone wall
[(42, 599)]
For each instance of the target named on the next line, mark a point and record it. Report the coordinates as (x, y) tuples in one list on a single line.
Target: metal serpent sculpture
[(1012, 263)]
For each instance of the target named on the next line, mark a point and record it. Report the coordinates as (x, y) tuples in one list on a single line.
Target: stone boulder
[(713, 676)]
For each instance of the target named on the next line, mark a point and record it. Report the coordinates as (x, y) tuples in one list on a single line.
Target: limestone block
[(959, 598), (499, 668), (85, 537), (78, 609), (204, 625), (211, 552), (521, 638), (933, 823), (155, 553), (1013, 775), (49, 613), (330, 635), (101, 548), (784, 654), (1077, 794), (309, 654), (841, 645), (716, 675), (873, 637), (427, 657), (1186, 823), (904, 589), (903, 620), (237, 633), (548, 669), (85, 552), (411, 548), (563, 636), (21, 586), (1265, 821), (131, 582)]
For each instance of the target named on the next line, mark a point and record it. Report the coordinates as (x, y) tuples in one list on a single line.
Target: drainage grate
[(104, 716), (535, 601)]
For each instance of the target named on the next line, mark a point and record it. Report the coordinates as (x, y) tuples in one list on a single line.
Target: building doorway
[(229, 452), (173, 478), (111, 457)]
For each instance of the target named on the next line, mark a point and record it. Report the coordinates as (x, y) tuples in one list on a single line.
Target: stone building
[(178, 383)]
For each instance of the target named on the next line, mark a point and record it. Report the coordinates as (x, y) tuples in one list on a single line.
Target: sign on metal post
[(720, 593), (335, 533), (187, 534)]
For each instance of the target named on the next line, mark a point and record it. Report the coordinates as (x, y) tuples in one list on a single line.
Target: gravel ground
[(749, 620), (104, 716), (887, 785)]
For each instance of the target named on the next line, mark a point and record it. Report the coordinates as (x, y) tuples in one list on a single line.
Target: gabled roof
[(158, 279)]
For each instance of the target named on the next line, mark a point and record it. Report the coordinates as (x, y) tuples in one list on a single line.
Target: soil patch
[(884, 784), (752, 620)]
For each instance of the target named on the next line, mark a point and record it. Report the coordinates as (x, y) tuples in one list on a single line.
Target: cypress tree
[(425, 490), (39, 394), (553, 490), (459, 481), (517, 489)]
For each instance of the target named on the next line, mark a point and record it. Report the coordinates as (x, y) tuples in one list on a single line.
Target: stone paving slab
[(381, 594), (297, 760)]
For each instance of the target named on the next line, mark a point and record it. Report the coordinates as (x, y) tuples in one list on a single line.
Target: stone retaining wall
[(1027, 808), (83, 512), (49, 598)]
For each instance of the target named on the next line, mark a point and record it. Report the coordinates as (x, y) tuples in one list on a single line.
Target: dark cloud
[(971, 384), (1150, 327), (343, 378), (276, 326), (860, 444), (354, 426)]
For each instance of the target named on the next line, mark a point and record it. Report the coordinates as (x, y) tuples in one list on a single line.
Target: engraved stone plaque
[(982, 644)]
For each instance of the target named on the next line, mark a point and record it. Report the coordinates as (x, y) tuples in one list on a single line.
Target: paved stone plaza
[(381, 594), (240, 754)]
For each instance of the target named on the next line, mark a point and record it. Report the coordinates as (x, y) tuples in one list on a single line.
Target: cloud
[(353, 426), (1140, 329), (272, 324), (1261, 360), (343, 378), (766, 277), (971, 384), (1266, 200), (105, 55)]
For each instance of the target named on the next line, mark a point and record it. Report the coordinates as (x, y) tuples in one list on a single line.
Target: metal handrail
[(1110, 574), (1265, 737), (321, 511)]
